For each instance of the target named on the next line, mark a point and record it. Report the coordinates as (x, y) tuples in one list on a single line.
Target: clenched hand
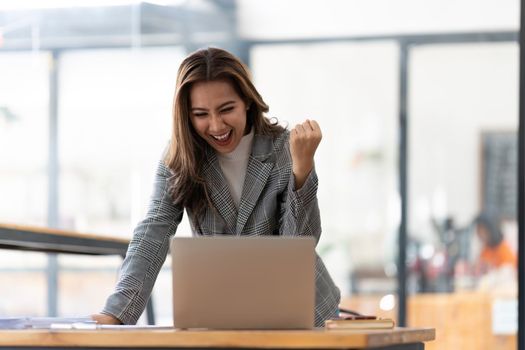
[(304, 139)]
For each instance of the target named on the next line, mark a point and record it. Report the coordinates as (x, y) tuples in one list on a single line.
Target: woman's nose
[(216, 122)]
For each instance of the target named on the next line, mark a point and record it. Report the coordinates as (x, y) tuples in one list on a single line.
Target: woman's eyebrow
[(222, 105)]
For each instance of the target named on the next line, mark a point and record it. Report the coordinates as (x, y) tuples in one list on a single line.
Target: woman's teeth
[(222, 137)]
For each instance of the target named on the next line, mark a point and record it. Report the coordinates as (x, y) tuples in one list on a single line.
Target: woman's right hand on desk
[(105, 319)]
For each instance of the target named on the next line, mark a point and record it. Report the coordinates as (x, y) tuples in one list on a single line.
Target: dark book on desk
[(360, 323)]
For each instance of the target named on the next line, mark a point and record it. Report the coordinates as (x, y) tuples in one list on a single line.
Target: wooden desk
[(41, 239), (397, 339)]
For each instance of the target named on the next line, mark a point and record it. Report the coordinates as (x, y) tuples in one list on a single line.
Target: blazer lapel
[(219, 191), (259, 168)]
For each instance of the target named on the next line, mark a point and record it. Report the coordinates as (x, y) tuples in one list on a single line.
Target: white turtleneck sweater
[(234, 166)]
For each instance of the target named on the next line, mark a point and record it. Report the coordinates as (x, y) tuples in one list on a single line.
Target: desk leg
[(150, 313)]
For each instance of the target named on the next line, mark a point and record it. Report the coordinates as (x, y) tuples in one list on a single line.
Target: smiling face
[(218, 114)]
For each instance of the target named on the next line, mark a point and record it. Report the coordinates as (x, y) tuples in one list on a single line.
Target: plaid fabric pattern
[(269, 205)]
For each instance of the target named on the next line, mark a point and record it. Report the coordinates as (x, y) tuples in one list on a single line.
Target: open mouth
[(223, 139)]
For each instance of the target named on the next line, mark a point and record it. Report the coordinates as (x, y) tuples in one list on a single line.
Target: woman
[(233, 170), (496, 251)]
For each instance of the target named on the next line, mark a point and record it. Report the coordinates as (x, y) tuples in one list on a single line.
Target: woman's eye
[(226, 110), (199, 114)]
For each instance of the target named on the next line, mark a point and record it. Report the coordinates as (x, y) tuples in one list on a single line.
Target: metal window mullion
[(521, 187), (53, 174), (403, 181)]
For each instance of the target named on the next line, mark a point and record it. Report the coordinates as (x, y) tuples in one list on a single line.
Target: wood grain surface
[(125, 337)]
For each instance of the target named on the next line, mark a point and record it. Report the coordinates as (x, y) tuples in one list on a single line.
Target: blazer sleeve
[(299, 214), (300, 217), (146, 253)]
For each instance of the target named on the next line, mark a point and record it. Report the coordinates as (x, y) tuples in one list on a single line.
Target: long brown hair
[(186, 153)]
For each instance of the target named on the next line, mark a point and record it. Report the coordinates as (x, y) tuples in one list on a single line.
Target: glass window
[(351, 90), (24, 121), (24, 105), (463, 107), (115, 122)]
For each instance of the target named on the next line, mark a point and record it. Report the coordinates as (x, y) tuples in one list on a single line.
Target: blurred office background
[(85, 103)]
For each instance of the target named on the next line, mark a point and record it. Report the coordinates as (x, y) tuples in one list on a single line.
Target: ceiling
[(191, 24)]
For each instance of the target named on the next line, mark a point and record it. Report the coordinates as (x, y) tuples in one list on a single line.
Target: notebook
[(233, 282)]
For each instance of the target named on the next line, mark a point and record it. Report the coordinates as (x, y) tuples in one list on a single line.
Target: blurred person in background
[(233, 170), (496, 251), (497, 262)]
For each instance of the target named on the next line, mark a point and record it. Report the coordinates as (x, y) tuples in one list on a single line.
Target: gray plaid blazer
[(269, 206)]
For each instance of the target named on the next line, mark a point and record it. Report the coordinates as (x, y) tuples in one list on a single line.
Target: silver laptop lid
[(243, 282)]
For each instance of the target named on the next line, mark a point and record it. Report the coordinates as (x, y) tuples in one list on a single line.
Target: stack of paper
[(47, 322)]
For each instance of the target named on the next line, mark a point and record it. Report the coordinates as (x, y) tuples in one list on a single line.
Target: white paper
[(505, 316)]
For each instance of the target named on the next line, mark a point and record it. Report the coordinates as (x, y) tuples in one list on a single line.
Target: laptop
[(243, 282)]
